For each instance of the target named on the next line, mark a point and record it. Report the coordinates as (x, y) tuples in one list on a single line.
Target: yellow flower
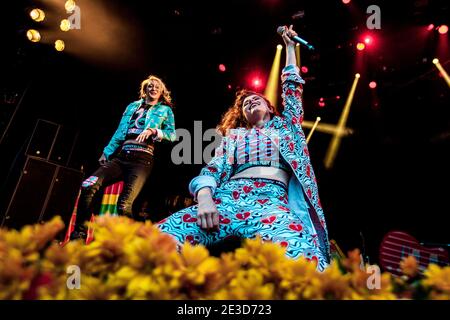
[(409, 266), (248, 285), (331, 284), (92, 288), (199, 270), (438, 278)]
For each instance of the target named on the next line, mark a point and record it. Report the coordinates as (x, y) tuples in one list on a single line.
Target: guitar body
[(397, 245)]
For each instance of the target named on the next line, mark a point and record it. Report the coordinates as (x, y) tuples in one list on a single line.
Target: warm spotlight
[(37, 15), (443, 29), (271, 90), (304, 69), (442, 71), (430, 27), (33, 35), (70, 5), (313, 129), (256, 82), (65, 25), (222, 68), (279, 47), (340, 128), (346, 1), (372, 85), (59, 45), (360, 46)]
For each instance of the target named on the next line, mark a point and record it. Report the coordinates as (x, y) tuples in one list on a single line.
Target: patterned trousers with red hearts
[(249, 208)]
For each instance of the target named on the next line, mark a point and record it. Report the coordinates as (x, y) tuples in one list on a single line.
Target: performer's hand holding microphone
[(291, 37)]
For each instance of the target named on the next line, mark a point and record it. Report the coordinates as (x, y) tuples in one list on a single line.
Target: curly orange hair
[(234, 116)]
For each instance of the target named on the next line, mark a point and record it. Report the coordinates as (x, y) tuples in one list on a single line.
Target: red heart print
[(283, 208), (188, 218), (296, 227), (269, 220), (247, 189), (305, 151), (262, 201), (243, 216), (313, 259), (190, 239), (235, 195), (284, 244), (294, 164), (291, 146), (224, 220), (259, 184)]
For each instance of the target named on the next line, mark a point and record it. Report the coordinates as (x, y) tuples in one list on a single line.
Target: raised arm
[(292, 83)]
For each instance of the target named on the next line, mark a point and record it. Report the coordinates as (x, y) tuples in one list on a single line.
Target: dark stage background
[(391, 174)]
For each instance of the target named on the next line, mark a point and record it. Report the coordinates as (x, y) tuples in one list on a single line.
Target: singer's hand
[(102, 159), (146, 134), (287, 35)]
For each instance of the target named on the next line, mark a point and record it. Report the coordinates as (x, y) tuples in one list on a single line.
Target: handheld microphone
[(297, 39)]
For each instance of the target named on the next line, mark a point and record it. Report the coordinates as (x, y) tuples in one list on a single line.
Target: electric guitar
[(397, 245)]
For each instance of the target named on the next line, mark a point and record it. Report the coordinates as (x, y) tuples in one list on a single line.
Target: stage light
[(37, 15), (70, 5), (304, 69), (279, 47), (321, 104), (368, 40), (346, 1), (443, 29), (316, 123), (222, 68), (340, 128), (33, 35), (442, 71), (64, 25), (338, 97), (372, 85), (430, 27), (59, 45), (271, 89), (256, 82), (360, 46)]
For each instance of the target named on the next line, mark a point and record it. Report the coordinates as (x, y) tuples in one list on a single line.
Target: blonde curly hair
[(165, 94)]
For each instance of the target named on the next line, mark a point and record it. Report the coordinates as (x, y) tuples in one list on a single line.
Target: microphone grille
[(280, 30)]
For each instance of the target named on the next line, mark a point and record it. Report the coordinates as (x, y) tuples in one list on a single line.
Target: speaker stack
[(46, 185)]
